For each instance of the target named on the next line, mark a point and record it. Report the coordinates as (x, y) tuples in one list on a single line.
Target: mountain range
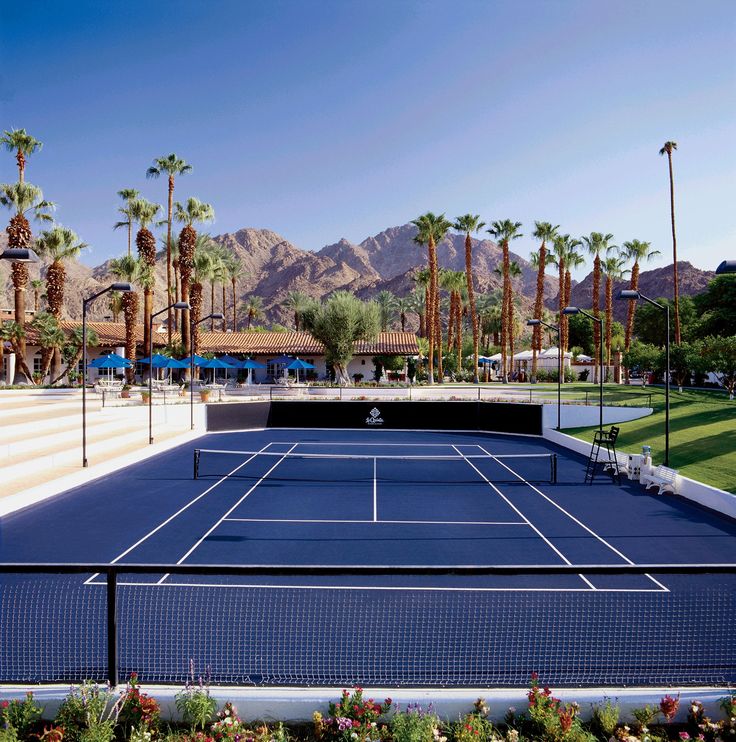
[(273, 267)]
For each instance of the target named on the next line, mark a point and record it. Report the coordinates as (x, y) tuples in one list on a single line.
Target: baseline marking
[(402, 522), (571, 516)]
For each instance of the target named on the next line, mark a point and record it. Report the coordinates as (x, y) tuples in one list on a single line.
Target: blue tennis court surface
[(346, 498)]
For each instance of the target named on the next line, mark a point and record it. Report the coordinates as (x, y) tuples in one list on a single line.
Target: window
[(37, 366)]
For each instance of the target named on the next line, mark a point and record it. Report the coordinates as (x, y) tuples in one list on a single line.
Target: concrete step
[(38, 419)]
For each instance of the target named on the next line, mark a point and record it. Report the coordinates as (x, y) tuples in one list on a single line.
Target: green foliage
[(719, 355), (88, 714), (581, 333), (194, 702), (553, 720), (604, 718), (716, 307), (138, 711), (415, 725), (23, 716), (649, 321), (642, 356), (8, 734), (352, 719)]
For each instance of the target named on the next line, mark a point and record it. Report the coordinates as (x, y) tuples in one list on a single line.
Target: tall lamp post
[(577, 310), (18, 255), (556, 328), (192, 324), (631, 295), (123, 287), (175, 305)]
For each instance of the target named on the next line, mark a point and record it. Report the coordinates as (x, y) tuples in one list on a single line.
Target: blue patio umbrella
[(110, 361), (296, 365), (229, 359), (214, 364), (159, 361), (485, 361), (281, 361), (198, 360), (250, 364)]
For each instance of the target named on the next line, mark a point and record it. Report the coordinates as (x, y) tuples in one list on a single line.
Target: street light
[(192, 324), (727, 266), (632, 295), (19, 255), (123, 287), (175, 305), (556, 328), (577, 310)]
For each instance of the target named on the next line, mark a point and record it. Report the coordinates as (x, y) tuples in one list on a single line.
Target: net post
[(554, 468), (112, 628), (196, 464)]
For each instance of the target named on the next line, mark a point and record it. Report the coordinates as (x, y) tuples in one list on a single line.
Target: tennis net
[(457, 468)]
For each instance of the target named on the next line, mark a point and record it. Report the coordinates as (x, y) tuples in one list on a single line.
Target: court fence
[(460, 626)]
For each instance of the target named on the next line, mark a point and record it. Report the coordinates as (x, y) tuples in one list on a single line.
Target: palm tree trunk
[(212, 304), (561, 302), (147, 312), (235, 321), (170, 324), (632, 305), (451, 320), (459, 333), (20, 158), (130, 310), (505, 312), (430, 312), (538, 307), (596, 311), (676, 287), (20, 281), (224, 313), (609, 324), (55, 278), (568, 293), (471, 302), (511, 328), (130, 234)]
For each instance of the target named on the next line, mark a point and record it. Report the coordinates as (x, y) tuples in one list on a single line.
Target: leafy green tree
[(719, 354), (716, 307), (649, 321), (338, 324), (642, 356), (582, 333)]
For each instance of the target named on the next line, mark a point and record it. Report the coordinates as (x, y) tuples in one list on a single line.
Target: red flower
[(669, 706), (535, 676)]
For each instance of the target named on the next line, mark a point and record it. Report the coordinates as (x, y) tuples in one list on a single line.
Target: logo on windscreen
[(374, 417)]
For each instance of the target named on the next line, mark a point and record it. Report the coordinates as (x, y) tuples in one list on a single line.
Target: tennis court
[(380, 557)]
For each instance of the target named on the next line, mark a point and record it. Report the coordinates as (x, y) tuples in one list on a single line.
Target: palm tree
[(215, 256), (128, 195), (468, 224), (36, 285), (432, 230), (172, 166), (456, 283), (144, 212), (24, 145), (668, 149), (297, 302), (613, 269), (234, 271), (115, 304), (638, 252), (57, 244), (545, 232), (387, 308), (514, 326), (596, 244), (573, 259), (402, 307), (422, 300), (504, 231), (252, 309), (22, 198), (129, 269), (203, 268), (175, 266), (563, 249), (194, 211)]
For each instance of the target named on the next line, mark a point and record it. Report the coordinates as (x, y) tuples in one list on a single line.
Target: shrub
[(604, 718), (194, 702), (416, 725), (88, 714), (351, 718), (23, 716), (138, 711)]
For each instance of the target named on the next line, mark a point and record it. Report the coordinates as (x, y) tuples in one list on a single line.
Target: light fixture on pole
[(727, 266), (123, 287), (577, 310), (192, 324), (556, 328), (632, 295), (175, 305)]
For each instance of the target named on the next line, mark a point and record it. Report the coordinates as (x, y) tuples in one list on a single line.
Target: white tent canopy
[(554, 353)]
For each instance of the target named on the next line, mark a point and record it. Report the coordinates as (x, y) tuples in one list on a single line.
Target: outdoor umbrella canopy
[(250, 364), (214, 364), (159, 361), (198, 360), (111, 360), (229, 359), (298, 364), (281, 361), (173, 363)]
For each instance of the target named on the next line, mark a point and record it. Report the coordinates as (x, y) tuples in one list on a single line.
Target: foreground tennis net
[(355, 468)]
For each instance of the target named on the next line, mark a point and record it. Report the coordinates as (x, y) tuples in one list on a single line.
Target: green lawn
[(702, 433)]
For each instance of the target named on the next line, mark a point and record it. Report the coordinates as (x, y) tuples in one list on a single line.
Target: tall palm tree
[(297, 302), (215, 256), (613, 269), (193, 212), (144, 213), (432, 230), (24, 145), (171, 166), (545, 232), (468, 224), (128, 195), (456, 283), (36, 285), (202, 270), (638, 252), (402, 307), (504, 231), (252, 308), (668, 149), (596, 244), (234, 271), (128, 269), (115, 304), (386, 307), (563, 249), (514, 325), (573, 259), (22, 198), (422, 279)]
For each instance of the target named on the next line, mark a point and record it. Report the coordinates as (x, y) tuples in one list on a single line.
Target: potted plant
[(125, 391), (145, 395), (204, 394)]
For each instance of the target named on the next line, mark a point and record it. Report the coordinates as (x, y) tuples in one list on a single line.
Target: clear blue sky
[(322, 119)]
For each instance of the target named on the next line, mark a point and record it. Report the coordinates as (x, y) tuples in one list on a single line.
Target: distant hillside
[(274, 267)]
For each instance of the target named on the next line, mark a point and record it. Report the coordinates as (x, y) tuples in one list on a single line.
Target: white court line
[(402, 522), (375, 493), (261, 586), (178, 512), (237, 504), (572, 517), (521, 515)]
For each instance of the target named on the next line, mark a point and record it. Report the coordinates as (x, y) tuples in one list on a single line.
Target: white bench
[(623, 463), (662, 477)]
